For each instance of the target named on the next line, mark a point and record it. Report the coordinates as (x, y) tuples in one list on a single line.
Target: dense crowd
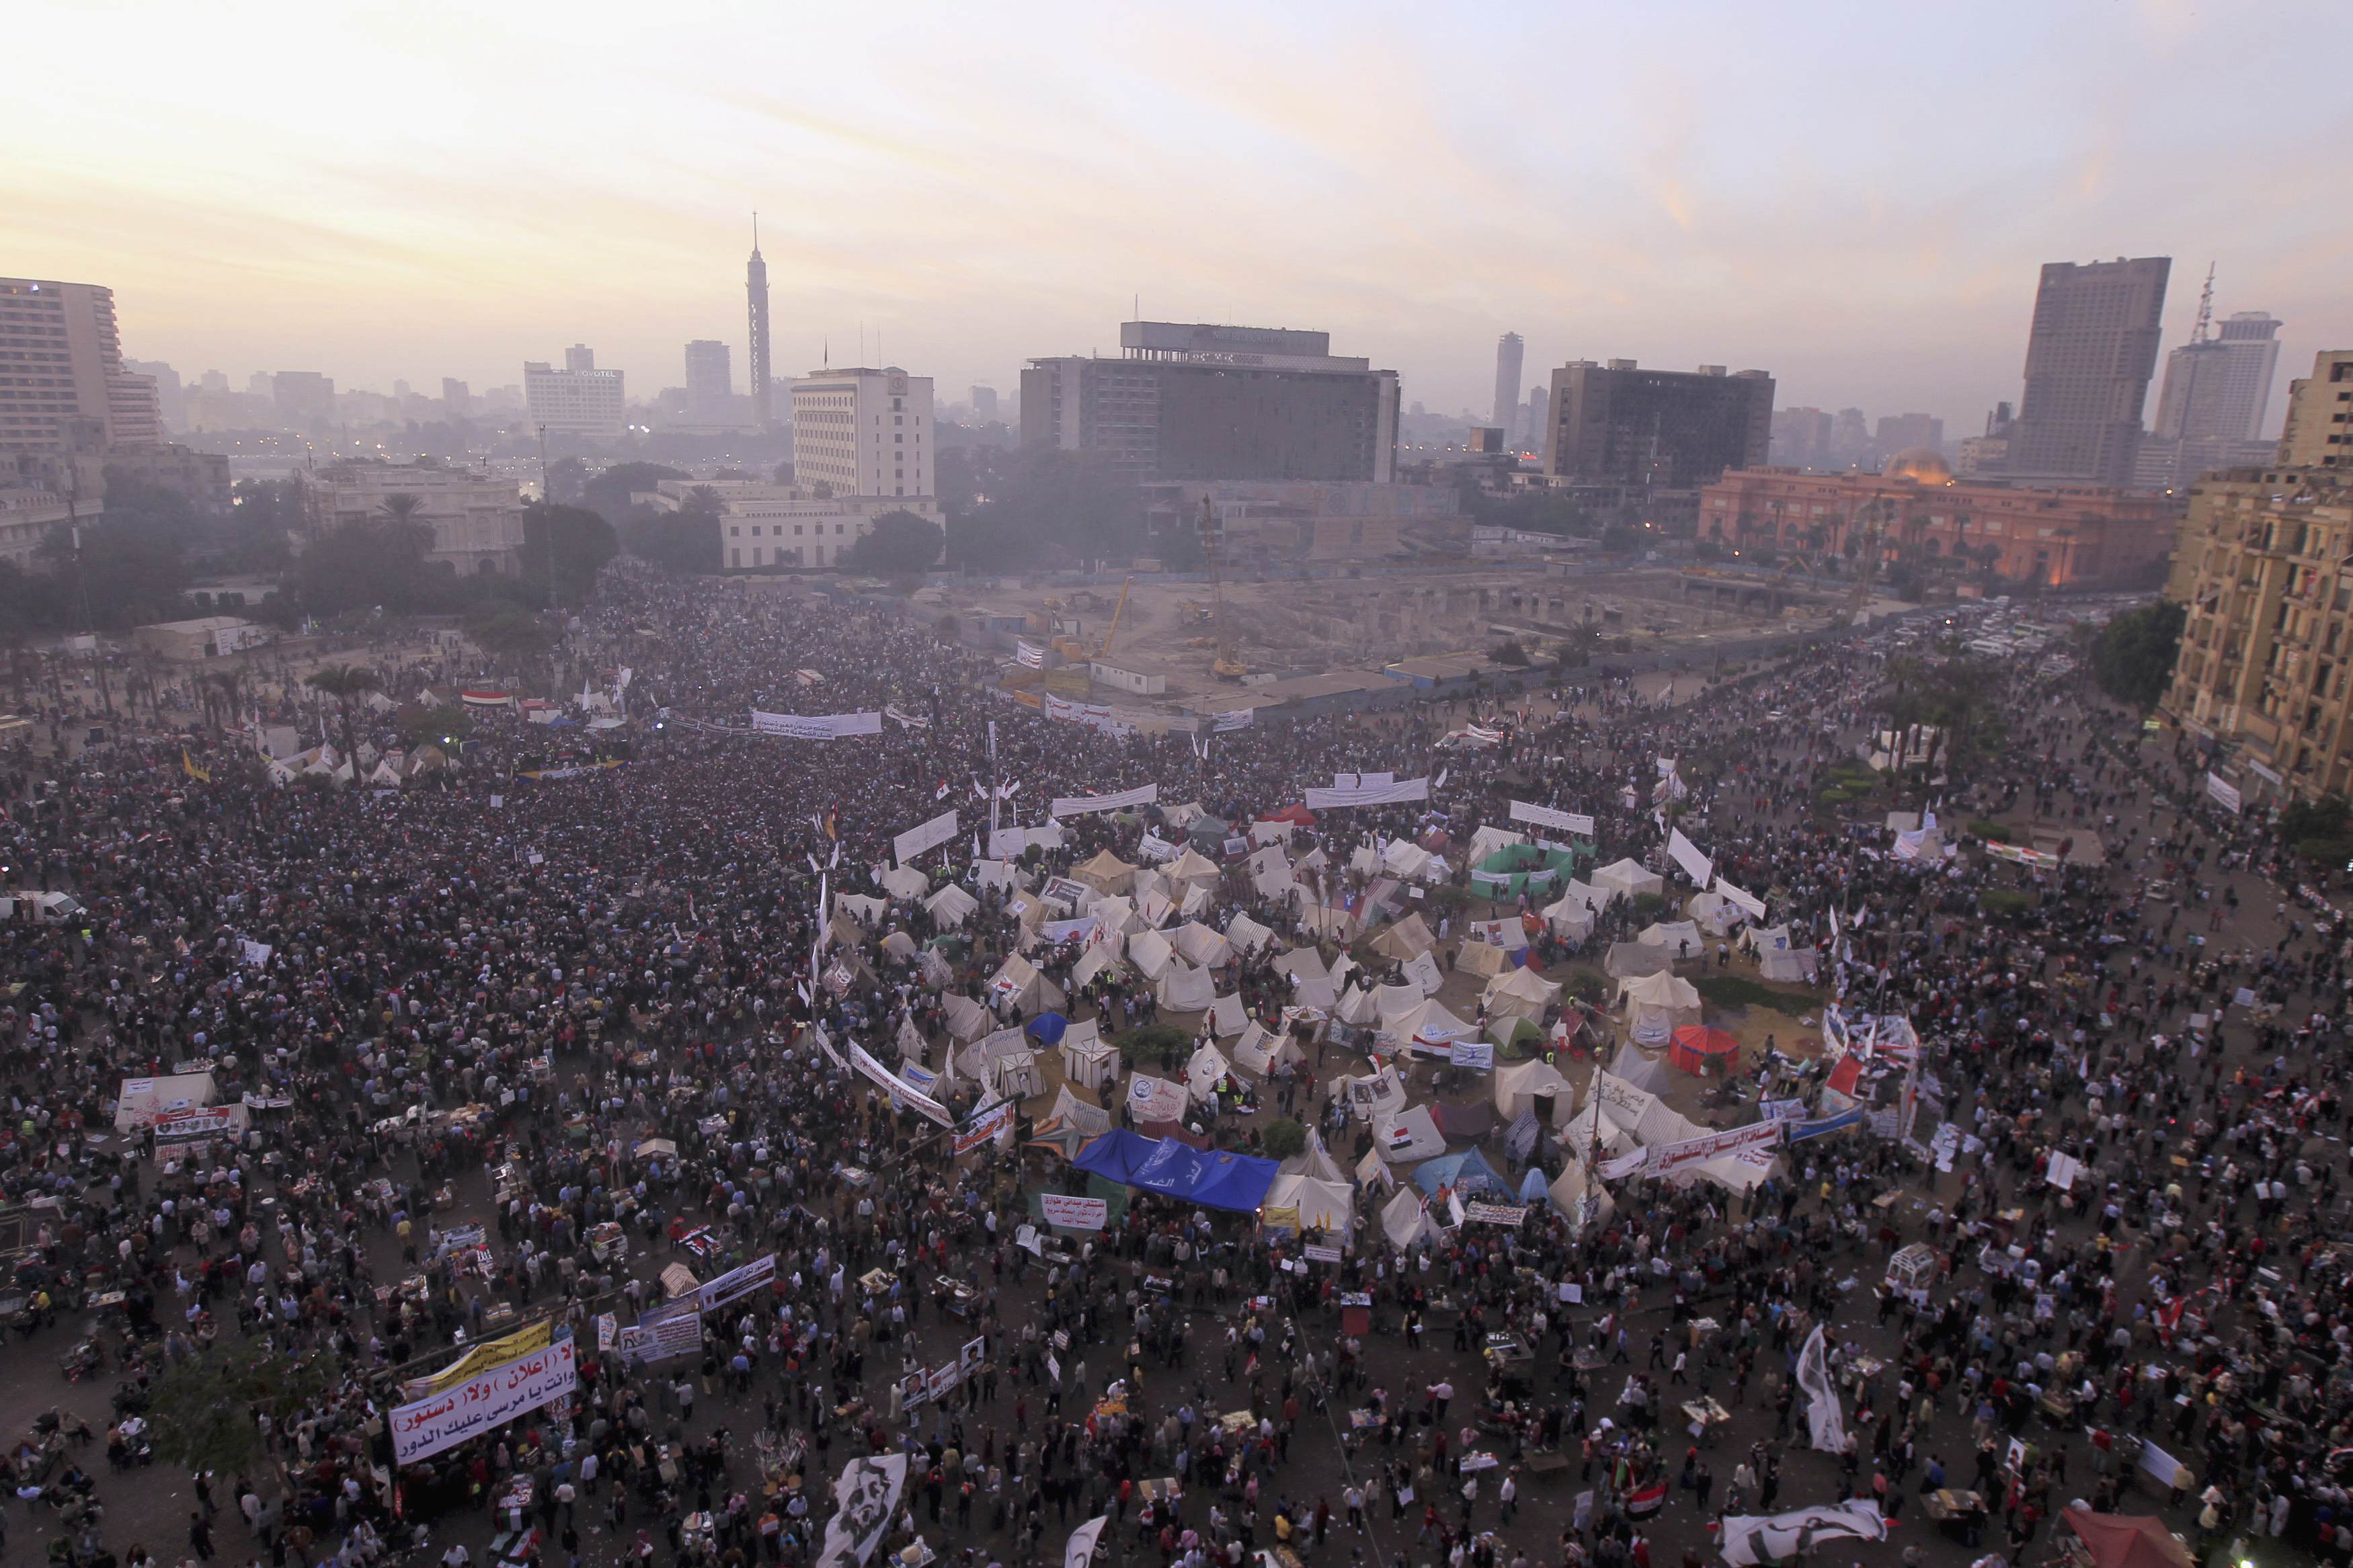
[(598, 1016)]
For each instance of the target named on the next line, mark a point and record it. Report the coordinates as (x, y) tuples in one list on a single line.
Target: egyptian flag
[(1648, 1500)]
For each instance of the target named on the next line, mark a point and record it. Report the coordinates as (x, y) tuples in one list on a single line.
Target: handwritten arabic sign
[(482, 1403)]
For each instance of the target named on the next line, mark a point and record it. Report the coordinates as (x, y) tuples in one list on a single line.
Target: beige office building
[(2319, 429), (61, 360)]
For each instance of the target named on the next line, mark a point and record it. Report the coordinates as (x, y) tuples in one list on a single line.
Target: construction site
[(1156, 644)]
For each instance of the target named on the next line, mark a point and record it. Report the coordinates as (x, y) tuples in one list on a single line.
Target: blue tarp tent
[(1166, 1166), (1533, 1186), (1465, 1172), (1050, 1027)]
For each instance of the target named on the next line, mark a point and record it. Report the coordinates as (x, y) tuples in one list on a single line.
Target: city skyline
[(451, 215)]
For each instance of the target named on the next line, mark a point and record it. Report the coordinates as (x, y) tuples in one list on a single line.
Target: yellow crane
[(1117, 610)]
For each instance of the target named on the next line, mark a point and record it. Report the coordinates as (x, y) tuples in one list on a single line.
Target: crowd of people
[(511, 1049)]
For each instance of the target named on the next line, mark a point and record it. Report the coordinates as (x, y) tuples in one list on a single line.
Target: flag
[(1082, 1548), (202, 776), (1648, 1500), (1823, 1415)]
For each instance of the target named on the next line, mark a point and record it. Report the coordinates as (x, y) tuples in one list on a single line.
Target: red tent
[(1699, 1050), (1298, 816), (2128, 1541)]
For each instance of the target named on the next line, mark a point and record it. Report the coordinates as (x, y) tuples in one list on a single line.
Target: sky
[(1854, 197)]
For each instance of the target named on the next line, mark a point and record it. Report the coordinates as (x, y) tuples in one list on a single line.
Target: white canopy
[(951, 906), (1408, 1137), (1322, 1205), (1193, 866), (1150, 953), (1089, 1119), (1017, 984), (1201, 1074), (1247, 935), (1107, 873), (1394, 1002), (1370, 1095), (1184, 989), (1679, 938), (1405, 859), (967, 1019), (1573, 1186), (1357, 1006), (905, 882), (1715, 914), (1203, 946), (1423, 973), (1225, 1014), (1489, 839), (1518, 1086), (1628, 877), (1090, 1066), (1794, 964), (1405, 1220), (1521, 992), (993, 874)]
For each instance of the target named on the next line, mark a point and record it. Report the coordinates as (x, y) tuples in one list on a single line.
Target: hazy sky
[(1854, 197)]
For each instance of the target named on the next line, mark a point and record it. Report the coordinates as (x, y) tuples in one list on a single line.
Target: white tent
[(1017, 984), (1658, 1005), (1149, 953), (1086, 1060), (1403, 940), (1261, 1052), (1423, 973), (1679, 938), (859, 906), (1014, 1074), (1247, 935), (1407, 1220), (1325, 1205), (967, 1019), (1408, 1137), (1482, 959), (1796, 965), (1117, 916), (1715, 914), (1097, 958), (1431, 1025), (905, 882), (1521, 993), (1393, 1002), (1300, 963), (1489, 839), (1203, 946), (1572, 914), (1588, 1127), (1313, 994), (1107, 873), (899, 944), (1086, 1117), (1370, 1094), (1225, 1014), (141, 1101), (1644, 1072), (1519, 1085), (951, 906), (1154, 1100), (1202, 1072), (1374, 1174), (1632, 960), (1270, 832), (1315, 1161), (1628, 877), (1571, 1188), (935, 970), (1182, 816), (1197, 900), (1184, 989), (1358, 1008), (990, 874), (1195, 868), (1405, 859)]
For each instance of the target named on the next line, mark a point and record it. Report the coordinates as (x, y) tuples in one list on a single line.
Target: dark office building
[(2089, 354), (1203, 402), (1617, 423)]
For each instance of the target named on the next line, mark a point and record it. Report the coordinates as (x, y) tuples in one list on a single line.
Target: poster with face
[(864, 1496)]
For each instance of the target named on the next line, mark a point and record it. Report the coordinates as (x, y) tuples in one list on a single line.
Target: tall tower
[(755, 291), (1508, 350), (2089, 353)]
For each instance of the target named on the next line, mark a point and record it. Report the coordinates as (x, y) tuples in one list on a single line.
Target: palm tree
[(230, 686), (344, 683), (402, 507)]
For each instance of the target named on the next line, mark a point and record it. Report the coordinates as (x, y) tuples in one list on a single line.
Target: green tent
[(1516, 869)]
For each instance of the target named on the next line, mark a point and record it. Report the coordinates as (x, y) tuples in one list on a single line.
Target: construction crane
[(1227, 664), (1117, 610)]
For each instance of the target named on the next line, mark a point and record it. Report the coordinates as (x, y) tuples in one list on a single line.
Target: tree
[(402, 507), (376, 560), (1509, 653), (901, 544), (608, 493), (686, 540), (1285, 1138), (344, 683), (567, 480), (437, 726), (583, 542), (2132, 659), (510, 635), (201, 1412), (131, 575)]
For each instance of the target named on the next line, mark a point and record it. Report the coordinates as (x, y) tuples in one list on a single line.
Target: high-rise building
[(581, 400), (1509, 351), (1850, 438), (1900, 432), (63, 356), (2217, 388), (2318, 433), (863, 433), (1197, 401), (1617, 424), (984, 406), (1539, 401), (756, 294), (2260, 674), (580, 357), (1801, 437), (303, 396), (214, 381), (2089, 356), (710, 382), (455, 394)]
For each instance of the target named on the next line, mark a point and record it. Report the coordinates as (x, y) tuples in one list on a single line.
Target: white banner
[(1545, 816), (925, 836), (738, 1283), (1094, 715), (1081, 1551), (1686, 854), (1660, 1159), (1369, 795), (997, 1118), (865, 1495), (2223, 792), (482, 1403), (1232, 718), (1750, 903), (1080, 804), (818, 726), (1751, 1539), (911, 721), (1029, 655), (1074, 1213), (251, 951), (1508, 1215), (1479, 1054), (1822, 1414), (925, 1106)]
